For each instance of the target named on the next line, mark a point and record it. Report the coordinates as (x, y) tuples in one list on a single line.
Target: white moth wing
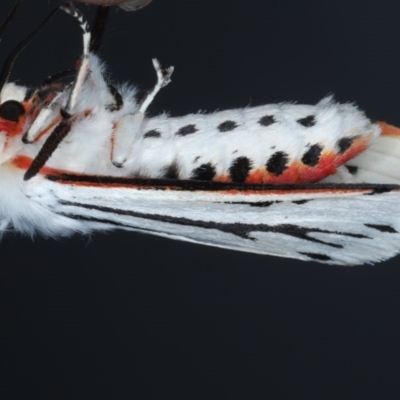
[(332, 225)]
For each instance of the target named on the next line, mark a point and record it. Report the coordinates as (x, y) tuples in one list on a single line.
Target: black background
[(128, 316)]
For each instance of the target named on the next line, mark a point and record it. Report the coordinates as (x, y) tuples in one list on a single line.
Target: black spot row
[(241, 166), (229, 125)]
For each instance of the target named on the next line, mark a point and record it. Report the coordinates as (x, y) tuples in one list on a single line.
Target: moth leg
[(84, 64), (45, 118), (49, 146), (163, 78), (62, 129), (46, 114), (123, 140)]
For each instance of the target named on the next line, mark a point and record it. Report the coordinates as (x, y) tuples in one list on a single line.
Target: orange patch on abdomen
[(298, 172), (388, 130), (24, 162)]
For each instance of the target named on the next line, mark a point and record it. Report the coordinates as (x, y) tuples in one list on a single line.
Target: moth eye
[(11, 110)]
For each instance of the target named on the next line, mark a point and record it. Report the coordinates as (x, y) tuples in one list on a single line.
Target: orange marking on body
[(257, 176), (222, 178), (24, 162), (325, 167), (269, 191), (11, 128), (388, 130), (298, 172), (289, 175)]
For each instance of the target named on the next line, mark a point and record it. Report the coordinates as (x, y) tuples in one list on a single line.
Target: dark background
[(128, 316)]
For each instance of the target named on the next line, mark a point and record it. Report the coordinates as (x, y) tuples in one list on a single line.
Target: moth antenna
[(10, 16), (68, 73), (84, 64), (6, 71), (98, 28)]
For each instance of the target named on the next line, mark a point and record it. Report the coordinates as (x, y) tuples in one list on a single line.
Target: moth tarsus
[(317, 183)]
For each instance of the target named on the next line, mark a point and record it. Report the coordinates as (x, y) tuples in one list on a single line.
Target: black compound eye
[(11, 110)]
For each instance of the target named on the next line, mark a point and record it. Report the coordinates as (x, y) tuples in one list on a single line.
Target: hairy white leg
[(123, 140), (163, 78), (44, 119), (84, 65)]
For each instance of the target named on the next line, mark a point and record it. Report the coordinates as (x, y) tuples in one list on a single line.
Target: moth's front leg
[(122, 138)]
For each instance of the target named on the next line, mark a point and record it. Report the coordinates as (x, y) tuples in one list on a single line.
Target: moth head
[(13, 111)]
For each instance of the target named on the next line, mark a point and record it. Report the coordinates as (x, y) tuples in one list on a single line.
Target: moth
[(309, 182)]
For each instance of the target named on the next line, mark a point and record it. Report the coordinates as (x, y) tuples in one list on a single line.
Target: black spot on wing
[(317, 256), (300, 201), (379, 189), (171, 172), (352, 169), (267, 120), (312, 155), (277, 163), (263, 203), (239, 170), (205, 172), (344, 143), (154, 133), (308, 121), (254, 204), (186, 130), (227, 126), (239, 229), (382, 228)]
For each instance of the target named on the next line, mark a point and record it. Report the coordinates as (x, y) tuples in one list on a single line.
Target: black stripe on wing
[(239, 229), (193, 185)]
